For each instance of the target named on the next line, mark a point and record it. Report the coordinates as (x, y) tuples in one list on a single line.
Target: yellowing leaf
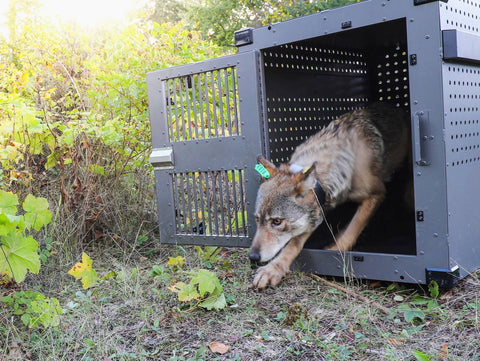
[(186, 292), (176, 261), (83, 271)]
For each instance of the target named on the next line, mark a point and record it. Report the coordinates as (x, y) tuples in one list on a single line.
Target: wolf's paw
[(271, 274)]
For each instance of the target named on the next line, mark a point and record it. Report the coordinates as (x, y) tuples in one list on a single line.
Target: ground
[(132, 315)]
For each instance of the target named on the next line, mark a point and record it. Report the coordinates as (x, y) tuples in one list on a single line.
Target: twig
[(384, 309)]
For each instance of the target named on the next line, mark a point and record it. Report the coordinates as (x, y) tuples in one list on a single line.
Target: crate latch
[(162, 158)]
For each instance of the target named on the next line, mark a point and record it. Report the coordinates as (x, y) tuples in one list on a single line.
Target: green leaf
[(207, 281), (95, 168), (434, 289), (413, 314), (8, 223), (215, 301), (420, 356), (8, 203), (37, 210), (188, 292), (19, 254), (26, 319), (47, 312)]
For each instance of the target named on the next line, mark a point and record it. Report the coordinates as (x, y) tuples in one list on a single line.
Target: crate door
[(206, 133)]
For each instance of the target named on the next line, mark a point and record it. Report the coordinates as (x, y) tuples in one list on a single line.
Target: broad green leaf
[(83, 271), (8, 223), (18, 255), (8, 202), (413, 314), (37, 210), (207, 282), (215, 301)]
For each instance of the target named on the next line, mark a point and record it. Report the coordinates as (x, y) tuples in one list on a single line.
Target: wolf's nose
[(254, 257)]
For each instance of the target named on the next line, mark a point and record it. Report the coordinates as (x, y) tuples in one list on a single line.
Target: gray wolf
[(348, 160)]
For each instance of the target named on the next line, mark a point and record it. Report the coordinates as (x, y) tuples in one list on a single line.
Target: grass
[(132, 315)]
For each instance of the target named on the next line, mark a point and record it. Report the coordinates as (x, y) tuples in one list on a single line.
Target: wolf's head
[(286, 207)]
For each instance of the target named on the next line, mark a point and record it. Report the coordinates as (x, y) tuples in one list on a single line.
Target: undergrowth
[(130, 314)]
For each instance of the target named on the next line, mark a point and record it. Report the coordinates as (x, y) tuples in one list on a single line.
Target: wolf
[(348, 160)]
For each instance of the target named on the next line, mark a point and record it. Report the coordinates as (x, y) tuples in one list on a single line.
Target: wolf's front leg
[(273, 272)]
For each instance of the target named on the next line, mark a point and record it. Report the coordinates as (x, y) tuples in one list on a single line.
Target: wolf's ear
[(270, 167), (302, 175)]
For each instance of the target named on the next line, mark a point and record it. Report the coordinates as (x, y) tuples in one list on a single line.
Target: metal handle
[(419, 122)]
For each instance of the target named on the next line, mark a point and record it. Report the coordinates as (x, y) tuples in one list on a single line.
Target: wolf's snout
[(254, 258)]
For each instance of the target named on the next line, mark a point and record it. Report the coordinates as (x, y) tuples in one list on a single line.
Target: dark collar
[(319, 193)]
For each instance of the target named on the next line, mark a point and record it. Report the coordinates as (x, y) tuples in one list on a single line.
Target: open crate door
[(205, 142)]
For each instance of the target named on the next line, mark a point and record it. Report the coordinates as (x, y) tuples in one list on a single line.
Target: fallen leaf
[(218, 347), (395, 341)]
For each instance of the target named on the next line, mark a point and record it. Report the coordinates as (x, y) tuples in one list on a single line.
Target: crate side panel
[(462, 144)]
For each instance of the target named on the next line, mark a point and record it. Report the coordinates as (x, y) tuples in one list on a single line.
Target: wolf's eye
[(276, 221)]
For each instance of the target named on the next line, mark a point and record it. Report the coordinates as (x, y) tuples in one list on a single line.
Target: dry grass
[(133, 316)]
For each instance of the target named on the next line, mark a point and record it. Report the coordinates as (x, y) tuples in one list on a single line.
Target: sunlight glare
[(89, 12)]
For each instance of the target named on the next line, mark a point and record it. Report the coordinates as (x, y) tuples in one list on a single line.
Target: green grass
[(133, 316)]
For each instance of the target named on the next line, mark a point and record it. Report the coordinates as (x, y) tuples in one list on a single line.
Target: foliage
[(209, 255), (18, 250), (204, 289), (83, 271), (176, 262), (74, 117), (220, 19), (34, 308)]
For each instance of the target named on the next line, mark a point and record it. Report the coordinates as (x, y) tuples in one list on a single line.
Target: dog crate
[(211, 119)]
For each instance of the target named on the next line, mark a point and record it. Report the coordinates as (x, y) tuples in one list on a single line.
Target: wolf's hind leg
[(365, 210)]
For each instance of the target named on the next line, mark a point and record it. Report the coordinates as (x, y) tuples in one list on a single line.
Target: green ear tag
[(262, 170)]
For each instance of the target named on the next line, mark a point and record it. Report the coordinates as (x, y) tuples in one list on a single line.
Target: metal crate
[(211, 119)]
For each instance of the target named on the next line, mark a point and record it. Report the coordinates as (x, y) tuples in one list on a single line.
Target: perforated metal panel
[(461, 87), (460, 14), (312, 82)]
